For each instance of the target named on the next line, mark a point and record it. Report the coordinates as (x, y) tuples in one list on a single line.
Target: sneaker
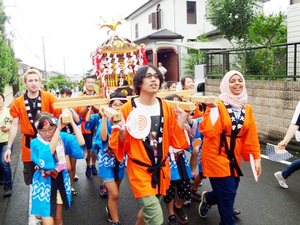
[(103, 191), (117, 223), (7, 191), (94, 170), (187, 203), (73, 190), (76, 177), (172, 220), (182, 217), (88, 171), (203, 206), (108, 215), (236, 212), (196, 195), (282, 183)]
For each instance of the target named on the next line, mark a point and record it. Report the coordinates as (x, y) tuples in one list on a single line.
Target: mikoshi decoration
[(116, 60)]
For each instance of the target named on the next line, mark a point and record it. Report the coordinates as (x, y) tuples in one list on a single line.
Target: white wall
[(174, 19), (293, 23), (293, 35)]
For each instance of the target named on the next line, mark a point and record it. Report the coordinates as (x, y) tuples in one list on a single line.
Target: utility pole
[(45, 67), (65, 67)]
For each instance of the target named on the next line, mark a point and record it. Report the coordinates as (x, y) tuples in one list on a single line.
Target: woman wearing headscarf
[(230, 133)]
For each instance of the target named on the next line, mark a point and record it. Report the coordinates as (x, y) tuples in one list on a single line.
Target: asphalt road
[(262, 202)]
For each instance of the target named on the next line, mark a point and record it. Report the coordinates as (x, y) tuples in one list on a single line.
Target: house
[(293, 36), (167, 26)]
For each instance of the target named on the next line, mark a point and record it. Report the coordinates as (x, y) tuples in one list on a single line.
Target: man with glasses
[(23, 110), (148, 168)]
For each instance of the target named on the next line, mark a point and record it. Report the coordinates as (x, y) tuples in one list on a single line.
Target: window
[(155, 18), (136, 27), (191, 14)]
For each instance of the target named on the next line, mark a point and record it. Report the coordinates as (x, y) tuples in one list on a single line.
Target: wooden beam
[(109, 112), (186, 106), (162, 94), (71, 104), (181, 93), (80, 98), (204, 99)]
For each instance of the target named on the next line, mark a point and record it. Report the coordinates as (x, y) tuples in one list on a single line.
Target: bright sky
[(69, 29)]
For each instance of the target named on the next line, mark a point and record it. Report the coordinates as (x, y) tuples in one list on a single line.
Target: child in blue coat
[(50, 151)]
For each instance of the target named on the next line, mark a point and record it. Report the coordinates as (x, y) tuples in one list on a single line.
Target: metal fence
[(266, 63)]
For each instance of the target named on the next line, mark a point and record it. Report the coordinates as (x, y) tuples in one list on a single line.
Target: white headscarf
[(236, 101)]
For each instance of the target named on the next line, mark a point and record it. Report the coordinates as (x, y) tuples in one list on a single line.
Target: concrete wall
[(273, 104), (8, 94)]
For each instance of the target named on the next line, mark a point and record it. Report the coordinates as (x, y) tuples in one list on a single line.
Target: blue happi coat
[(93, 126), (175, 175), (106, 163), (41, 188), (195, 133)]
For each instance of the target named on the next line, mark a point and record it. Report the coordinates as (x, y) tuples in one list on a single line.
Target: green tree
[(268, 30), (57, 81), (3, 19), (233, 19), (8, 66), (8, 63)]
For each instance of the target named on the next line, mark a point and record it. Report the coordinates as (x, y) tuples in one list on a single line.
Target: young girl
[(180, 179), (67, 93), (51, 182), (110, 169), (170, 86), (92, 123)]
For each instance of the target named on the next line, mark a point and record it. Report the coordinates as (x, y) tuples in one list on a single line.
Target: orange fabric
[(196, 142), (215, 164), (18, 109), (198, 113), (139, 177), (78, 110)]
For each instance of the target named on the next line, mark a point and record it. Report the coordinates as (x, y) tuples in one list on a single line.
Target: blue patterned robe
[(109, 167), (195, 133), (43, 192)]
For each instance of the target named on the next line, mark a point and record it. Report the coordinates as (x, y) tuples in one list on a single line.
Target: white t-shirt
[(154, 112), (296, 121), (5, 120), (162, 69)]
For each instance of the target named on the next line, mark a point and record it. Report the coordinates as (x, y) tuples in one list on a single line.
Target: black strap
[(182, 168), (28, 139), (57, 184), (236, 127), (116, 169), (31, 113), (154, 170)]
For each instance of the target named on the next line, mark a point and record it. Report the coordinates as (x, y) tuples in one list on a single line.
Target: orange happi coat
[(215, 164), (139, 177), (18, 109)]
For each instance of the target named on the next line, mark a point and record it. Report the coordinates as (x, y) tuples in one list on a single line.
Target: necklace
[(33, 101)]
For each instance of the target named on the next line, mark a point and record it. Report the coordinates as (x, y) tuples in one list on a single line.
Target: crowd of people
[(216, 136)]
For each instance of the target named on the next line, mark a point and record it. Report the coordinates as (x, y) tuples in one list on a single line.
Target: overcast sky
[(69, 29)]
